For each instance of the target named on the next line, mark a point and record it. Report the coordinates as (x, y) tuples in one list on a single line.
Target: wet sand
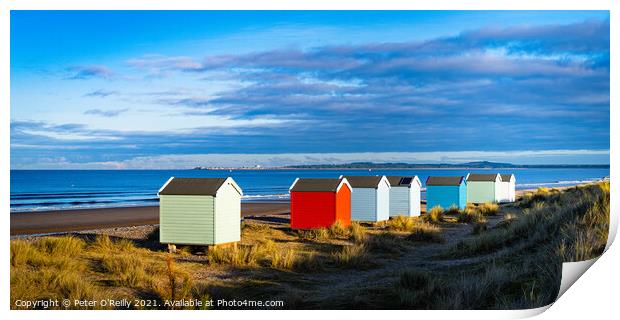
[(43, 222)]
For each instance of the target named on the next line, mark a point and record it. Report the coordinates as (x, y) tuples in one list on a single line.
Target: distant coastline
[(481, 165)]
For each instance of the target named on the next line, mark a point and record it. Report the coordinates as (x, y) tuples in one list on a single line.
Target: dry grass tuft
[(488, 209), (104, 244), (338, 230), (357, 232), (126, 270), (320, 234), (50, 268), (434, 215), (284, 260), (453, 210), (242, 256), (351, 256), (401, 223), (60, 246), (426, 232), (470, 215)]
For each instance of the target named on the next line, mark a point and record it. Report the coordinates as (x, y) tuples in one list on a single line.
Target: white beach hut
[(404, 196), (507, 188), (370, 198)]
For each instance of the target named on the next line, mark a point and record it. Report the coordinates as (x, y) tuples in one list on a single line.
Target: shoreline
[(63, 221)]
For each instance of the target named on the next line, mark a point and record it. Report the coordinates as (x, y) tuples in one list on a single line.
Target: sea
[(43, 190)]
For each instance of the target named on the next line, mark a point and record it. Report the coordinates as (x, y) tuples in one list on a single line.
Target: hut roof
[(444, 181), (192, 186), (364, 181), (402, 181), (507, 177), (317, 185), (490, 177)]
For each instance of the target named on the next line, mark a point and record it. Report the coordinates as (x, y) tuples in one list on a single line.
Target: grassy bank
[(485, 256)]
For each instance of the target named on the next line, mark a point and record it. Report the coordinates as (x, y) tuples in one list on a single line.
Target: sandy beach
[(44, 222)]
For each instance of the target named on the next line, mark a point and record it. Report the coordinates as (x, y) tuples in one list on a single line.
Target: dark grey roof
[(444, 181), (490, 177), (402, 181), (506, 177), (316, 185), (364, 181), (193, 186)]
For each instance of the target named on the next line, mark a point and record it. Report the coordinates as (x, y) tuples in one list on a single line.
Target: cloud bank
[(497, 90)]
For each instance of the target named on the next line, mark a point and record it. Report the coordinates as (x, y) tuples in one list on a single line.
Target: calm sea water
[(37, 190)]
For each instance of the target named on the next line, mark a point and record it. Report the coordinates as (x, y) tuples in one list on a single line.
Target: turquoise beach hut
[(446, 192)]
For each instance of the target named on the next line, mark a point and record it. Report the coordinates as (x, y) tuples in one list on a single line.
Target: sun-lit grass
[(434, 215), (320, 234), (357, 232), (469, 215), (488, 209), (580, 223), (400, 223), (284, 260), (104, 244), (48, 268), (237, 256), (126, 270), (338, 230), (426, 232)]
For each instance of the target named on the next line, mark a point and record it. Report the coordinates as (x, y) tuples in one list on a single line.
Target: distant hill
[(469, 165)]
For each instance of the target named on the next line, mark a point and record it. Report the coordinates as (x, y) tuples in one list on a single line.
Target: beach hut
[(404, 196), (446, 192), (483, 187), (199, 211), (319, 203), (370, 200), (507, 188)]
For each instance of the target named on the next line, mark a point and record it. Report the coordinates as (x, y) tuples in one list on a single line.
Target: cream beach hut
[(199, 211), (482, 188), (507, 188), (404, 196), (370, 198)]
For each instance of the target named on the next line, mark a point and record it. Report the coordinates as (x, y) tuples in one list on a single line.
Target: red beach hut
[(318, 203)]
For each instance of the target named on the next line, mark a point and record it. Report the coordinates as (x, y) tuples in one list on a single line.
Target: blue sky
[(173, 89)]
